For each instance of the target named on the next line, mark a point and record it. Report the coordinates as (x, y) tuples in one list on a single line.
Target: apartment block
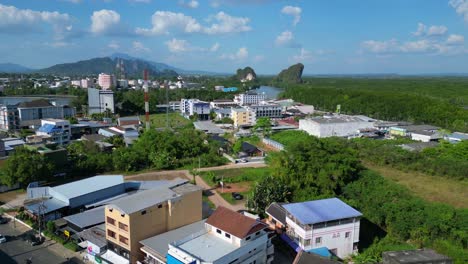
[(57, 130), (190, 107), (148, 213), (249, 98), (266, 110), (243, 117), (106, 81)]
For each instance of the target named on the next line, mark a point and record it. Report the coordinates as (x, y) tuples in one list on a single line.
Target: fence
[(272, 143)]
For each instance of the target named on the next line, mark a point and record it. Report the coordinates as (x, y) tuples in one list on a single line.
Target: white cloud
[(139, 47), (284, 38), (189, 3), (215, 3), (454, 39), (113, 45), (163, 21), (293, 11), (13, 20), (423, 30), (303, 56), (461, 7), (419, 46), (104, 21), (177, 45), (240, 55), (215, 47), (228, 24), (381, 47)]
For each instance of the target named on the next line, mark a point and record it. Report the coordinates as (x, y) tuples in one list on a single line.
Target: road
[(16, 250)]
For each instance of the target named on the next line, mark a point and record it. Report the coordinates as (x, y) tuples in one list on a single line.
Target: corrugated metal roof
[(49, 205), (319, 211), (87, 218), (89, 185), (49, 128)]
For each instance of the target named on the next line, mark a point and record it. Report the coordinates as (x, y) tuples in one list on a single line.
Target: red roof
[(234, 223)]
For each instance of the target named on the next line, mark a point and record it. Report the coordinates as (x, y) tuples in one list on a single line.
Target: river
[(270, 91)]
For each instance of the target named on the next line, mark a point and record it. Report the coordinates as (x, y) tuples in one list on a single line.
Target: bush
[(51, 226), (72, 246)]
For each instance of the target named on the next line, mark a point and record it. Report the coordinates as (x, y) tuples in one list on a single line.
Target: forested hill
[(441, 102), (292, 74), (133, 67)]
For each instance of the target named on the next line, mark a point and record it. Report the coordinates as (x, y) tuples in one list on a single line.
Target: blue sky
[(327, 36)]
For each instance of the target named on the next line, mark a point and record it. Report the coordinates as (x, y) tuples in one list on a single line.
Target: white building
[(190, 107), (58, 130), (249, 98), (76, 83), (106, 81), (425, 136), (266, 110), (336, 125), (220, 103), (87, 83), (229, 238), (328, 223), (100, 100), (122, 83)]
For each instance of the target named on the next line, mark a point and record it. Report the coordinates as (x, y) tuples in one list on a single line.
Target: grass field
[(228, 197), (430, 188), (235, 175), (159, 120)]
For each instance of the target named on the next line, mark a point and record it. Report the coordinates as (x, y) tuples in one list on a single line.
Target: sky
[(327, 36)]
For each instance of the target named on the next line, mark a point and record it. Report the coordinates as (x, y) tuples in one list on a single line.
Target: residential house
[(249, 150), (58, 131), (276, 217)]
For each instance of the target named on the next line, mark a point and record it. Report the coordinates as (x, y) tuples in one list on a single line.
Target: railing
[(273, 143)]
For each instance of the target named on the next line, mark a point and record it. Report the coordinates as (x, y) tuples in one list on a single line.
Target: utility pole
[(145, 88), (167, 108)]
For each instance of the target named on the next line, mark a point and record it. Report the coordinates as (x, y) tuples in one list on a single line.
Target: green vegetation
[(206, 200), (159, 120), (264, 125), (242, 73), (235, 175), (228, 197), (431, 101), (293, 74), (289, 137), (268, 190)]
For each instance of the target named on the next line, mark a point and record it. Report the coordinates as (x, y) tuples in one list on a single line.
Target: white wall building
[(249, 98), (76, 83), (336, 125), (58, 130), (328, 223), (266, 110), (100, 100), (87, 83), (190, 107), (106, 81), (229, 238)]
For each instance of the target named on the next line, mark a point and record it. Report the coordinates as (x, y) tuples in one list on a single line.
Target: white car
[(2, 239)]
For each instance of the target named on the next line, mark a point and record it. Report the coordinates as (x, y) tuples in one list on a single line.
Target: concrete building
[(122, 83), (417, 256), (99, 101), (221, 103), (190, 107), (76, 83), (87, 83), (334, 126), (133, 121), (58, 130), (243, 117), (29, 114), (249, 98), (456, 137), (266, 110), (106, 81), (142, 215), (407, 130), (228, 237), (323, 224)]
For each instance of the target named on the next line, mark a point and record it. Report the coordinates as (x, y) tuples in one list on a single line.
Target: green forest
[(438, 101)]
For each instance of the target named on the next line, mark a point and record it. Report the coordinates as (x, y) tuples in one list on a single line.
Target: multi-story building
[(76, 83), (106, 81), (148, 213), (28, 114), (249, 98), (243, 117), (222, 103), (100, 100), (58, 130), (334, 126), (228, 238), (266, 110), (87, 83), (190, 107), (122, 83), (327, 223)]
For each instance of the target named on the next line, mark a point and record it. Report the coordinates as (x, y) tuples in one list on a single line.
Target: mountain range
[(133, 67)]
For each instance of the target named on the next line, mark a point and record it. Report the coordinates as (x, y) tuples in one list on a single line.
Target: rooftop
[(417, 256), (239, 109), (35, 103), (207, 247), (208, 127), (458, 135), (159, 244), (88, 185), (234, 223), (277, 211), (319, 211), (311, 258), (337, 119), (87, 218), (95, 235), (46, 206)]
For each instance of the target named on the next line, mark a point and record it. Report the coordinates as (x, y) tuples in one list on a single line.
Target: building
[(276, 217), (156, 248), (303, 257), (122, 83), (222, 113), (230, 89), (87, 83), (425, 136), (327, 223), (456, 137), (417, 256), (266, 110), (133, 121), (208, 127), (192, 107), (106, 81), (407, 130), (10, 144), (99, 101), (142, 215), (334, 126), (228, 237), (221, 103), (243, 117), (76, 83), (57, 130), (249, 98), (129, 133)]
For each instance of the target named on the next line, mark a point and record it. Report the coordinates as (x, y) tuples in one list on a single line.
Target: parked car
[(2, 239), (3, 220), (237, 196)]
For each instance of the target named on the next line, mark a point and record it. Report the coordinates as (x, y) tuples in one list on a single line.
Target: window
[(347, 234), (159, 205), (123, 240), (110, 233), (218, 231), (111, 221), (318, 240), (227, 235), (143, 212), (247, 238), (258, 233), (307, 242), (123, 226), (110, 209)]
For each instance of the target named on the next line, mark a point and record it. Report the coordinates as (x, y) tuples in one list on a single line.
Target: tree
[(264, 124), (269, 190), (26, 166)]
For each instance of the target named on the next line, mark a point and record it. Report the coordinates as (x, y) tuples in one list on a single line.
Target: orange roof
[(234, 223)]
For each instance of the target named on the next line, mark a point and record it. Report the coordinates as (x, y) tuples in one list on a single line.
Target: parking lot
[(17, 250)]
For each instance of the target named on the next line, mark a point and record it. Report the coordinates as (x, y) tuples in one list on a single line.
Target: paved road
[(16, 250)]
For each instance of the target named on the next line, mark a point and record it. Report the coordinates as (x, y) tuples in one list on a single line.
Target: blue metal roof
[(322, 251), (49, 128), (319, 211), (48, 206)]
